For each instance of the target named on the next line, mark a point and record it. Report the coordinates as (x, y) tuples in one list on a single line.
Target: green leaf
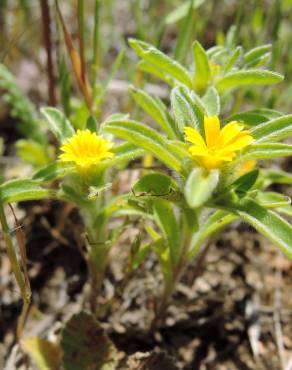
[(260, 61), (165, 219), (254, 117), (217, 221), (53, 171), (271, 199), (154, 183), (285, 210), (211, 101), (181, 11), (187, 109), (58, 123), (156, 110), (256, 53), (266, 222), (273, 130), (161, 61), (202, 72), (45, 354), (275, 176), (124, 153), (264, 151), (86, 346), (248, 77), (154, 71), (144, 137), (182, 44), (200, 186), (245, 182), (23, 190), (233, 58)]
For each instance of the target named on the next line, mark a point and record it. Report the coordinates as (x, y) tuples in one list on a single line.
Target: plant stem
[(170, 285), (15, 265), (96, 45), (81, 33), (47, 39)]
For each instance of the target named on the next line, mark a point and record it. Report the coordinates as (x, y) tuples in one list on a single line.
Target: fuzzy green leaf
[(154, 71), (124, 153), (255, 117), (144, 137), (187, 109), (230, 62), (23, 190), (161, 61), (154, 183), (248, 77), (256, 53), (202, 70), (52, 172), (156, 110), (217, 221), (265, 151), (266, 222), (273, 130), (271, 199), (58, 123), (211, 101)]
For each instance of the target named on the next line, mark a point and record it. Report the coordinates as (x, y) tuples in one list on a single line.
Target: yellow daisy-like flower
[(219, 146), (85, 149)]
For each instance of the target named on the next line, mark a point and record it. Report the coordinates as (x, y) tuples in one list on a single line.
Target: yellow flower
[(85, 149), (219, 146)]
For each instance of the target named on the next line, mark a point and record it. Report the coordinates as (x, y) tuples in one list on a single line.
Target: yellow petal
[(229, 132), (194, 137), (210, 162), (212, 130), (238, 144), (198, 151)]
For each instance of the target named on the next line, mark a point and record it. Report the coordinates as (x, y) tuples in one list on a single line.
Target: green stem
[(11, 253), (98, 250), (170, 284), (96, 45), (15, 265)]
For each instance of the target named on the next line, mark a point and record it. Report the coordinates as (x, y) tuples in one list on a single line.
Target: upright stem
[(98, 251), (81, 33), (170, 285), (47, 37), (24, 289)]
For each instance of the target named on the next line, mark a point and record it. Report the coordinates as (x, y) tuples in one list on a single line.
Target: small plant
[(213, 173)]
